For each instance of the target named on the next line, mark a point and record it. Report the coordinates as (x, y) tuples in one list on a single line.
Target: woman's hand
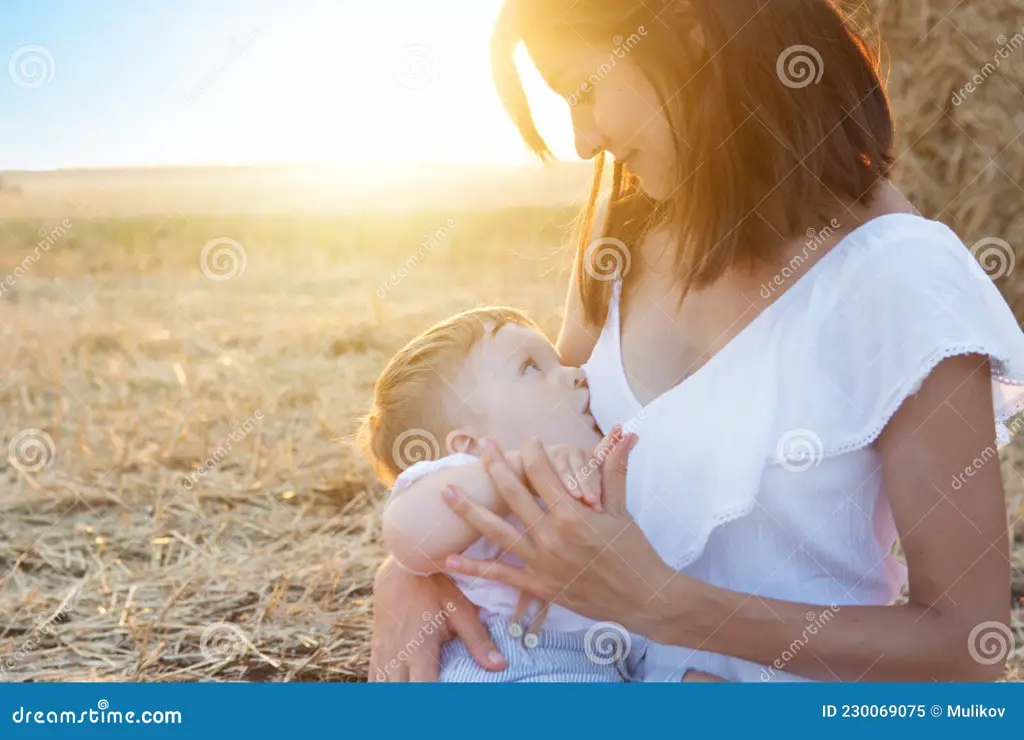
[(599, 565), (425, 611)]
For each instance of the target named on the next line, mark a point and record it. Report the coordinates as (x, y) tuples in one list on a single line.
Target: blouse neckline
[(843, 245)]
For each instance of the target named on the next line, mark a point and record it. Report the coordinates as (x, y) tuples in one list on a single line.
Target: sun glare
[(362, 87)]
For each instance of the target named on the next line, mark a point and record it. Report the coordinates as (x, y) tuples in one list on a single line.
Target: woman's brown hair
[(732, 77)]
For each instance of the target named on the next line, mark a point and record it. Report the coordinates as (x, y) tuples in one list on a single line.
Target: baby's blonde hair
[(407, 421)]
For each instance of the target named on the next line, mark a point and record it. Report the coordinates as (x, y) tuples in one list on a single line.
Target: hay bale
[(956, 80)]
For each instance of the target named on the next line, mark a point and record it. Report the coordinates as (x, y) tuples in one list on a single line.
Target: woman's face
[(614, 108)]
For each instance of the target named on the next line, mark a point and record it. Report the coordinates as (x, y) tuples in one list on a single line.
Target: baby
[(488, 372)]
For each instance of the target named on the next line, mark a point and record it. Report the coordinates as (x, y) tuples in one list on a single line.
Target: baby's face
[(518, 389)]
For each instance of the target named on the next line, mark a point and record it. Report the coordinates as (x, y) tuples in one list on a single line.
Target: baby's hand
[(580, 469)]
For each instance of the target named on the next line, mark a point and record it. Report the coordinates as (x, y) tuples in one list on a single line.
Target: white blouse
[(759, 472)]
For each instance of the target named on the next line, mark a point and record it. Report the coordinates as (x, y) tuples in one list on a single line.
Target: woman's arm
[(576, 339), (951, 517), (954, 537)]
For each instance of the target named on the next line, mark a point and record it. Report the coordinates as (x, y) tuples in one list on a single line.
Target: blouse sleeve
[(894, 311)]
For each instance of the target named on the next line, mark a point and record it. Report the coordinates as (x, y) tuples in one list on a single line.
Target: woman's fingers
[(494, 570), (464, 623), (613, 474), (489, 524), (509, 486)]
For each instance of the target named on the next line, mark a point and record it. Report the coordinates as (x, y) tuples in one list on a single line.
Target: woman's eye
[(529, 366)]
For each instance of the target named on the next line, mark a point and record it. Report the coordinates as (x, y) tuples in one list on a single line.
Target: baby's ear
[(461, 440)]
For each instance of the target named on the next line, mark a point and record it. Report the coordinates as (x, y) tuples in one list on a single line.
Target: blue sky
[(117, 83)]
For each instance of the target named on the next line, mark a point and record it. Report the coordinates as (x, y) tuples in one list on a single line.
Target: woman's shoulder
[(901, 294)]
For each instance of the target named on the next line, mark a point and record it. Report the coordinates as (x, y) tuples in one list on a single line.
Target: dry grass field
[(181, 502)]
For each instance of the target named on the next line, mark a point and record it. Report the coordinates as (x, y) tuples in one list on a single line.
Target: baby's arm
[(420, 530)]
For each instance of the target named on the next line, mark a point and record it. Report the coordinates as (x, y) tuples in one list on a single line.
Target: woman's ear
[(461, 441)]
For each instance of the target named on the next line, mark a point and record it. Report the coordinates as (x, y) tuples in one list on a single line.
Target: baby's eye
[(528, 366)]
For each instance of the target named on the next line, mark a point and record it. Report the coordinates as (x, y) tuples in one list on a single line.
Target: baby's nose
[(576, 377)]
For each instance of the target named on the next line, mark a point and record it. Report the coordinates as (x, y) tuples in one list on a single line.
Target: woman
[(812, 369)]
